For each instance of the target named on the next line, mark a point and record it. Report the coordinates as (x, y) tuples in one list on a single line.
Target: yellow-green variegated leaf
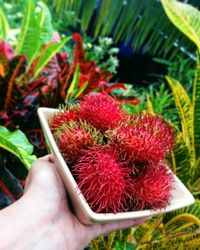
[(184, 107), (193, 209), (189, 240), (185, 17), (196, 112), (180, 159), (150, 105)]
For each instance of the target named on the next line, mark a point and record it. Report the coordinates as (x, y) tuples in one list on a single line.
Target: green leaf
[(17, 143), (124, 246), (45, 22), (48, 54), (150, 105), (189, 240), (28, 36), (74, 84), (193, 209), (185, 17), (36, 30), (196, 112), (4, 26), (184, 107), (81, 89), (180, 159)]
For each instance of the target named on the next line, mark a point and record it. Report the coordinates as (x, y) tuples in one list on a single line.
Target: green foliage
[(180, 159), (69, 19), (193, 209), (196, 114), (128, 21), (35, 37), (74, 89), (103, 53), (121, 240), (13, 10), (49, 52), (124, 246), (4, 26), (184, 107), (178, 228), (185, 17), (182, 67), (36, 30), (160, 98), (17, 143)]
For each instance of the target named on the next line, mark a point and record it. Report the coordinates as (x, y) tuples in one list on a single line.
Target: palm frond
[(142, 24)]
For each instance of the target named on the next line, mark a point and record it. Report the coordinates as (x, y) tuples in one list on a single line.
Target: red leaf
[(79, 54)]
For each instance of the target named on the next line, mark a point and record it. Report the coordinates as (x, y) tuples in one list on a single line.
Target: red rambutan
[(148, 139), (137, 145), (103, 180), (75, 137), (102, 111), (63, 117), (152, 187), (158, 127)]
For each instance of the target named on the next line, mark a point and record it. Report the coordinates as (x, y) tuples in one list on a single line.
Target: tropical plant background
[(144, 53)]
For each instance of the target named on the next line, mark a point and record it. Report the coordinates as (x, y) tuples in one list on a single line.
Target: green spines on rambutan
[(62, 117), (74, 137)]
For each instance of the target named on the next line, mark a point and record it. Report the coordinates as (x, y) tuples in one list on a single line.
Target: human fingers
[(35, 165), (43, 163), (44, 177), (104, 229)]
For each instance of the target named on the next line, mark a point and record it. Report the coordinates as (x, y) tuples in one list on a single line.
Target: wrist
[(43, 222), (28, 226)]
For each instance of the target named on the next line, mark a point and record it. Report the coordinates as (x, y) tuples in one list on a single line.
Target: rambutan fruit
[(74, 137), (152, 187), (63, 117), (137, 145), (103, 180), (102, 111), (147, 139), (157, 127)]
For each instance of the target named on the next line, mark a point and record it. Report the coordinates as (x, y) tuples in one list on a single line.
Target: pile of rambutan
[(119, 161)]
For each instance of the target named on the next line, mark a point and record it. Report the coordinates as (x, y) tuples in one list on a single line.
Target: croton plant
[(59, 82)]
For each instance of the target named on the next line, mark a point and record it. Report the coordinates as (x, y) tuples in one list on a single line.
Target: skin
[(41, 218)]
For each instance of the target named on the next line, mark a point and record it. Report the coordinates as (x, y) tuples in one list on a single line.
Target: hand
[(52, 223)]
